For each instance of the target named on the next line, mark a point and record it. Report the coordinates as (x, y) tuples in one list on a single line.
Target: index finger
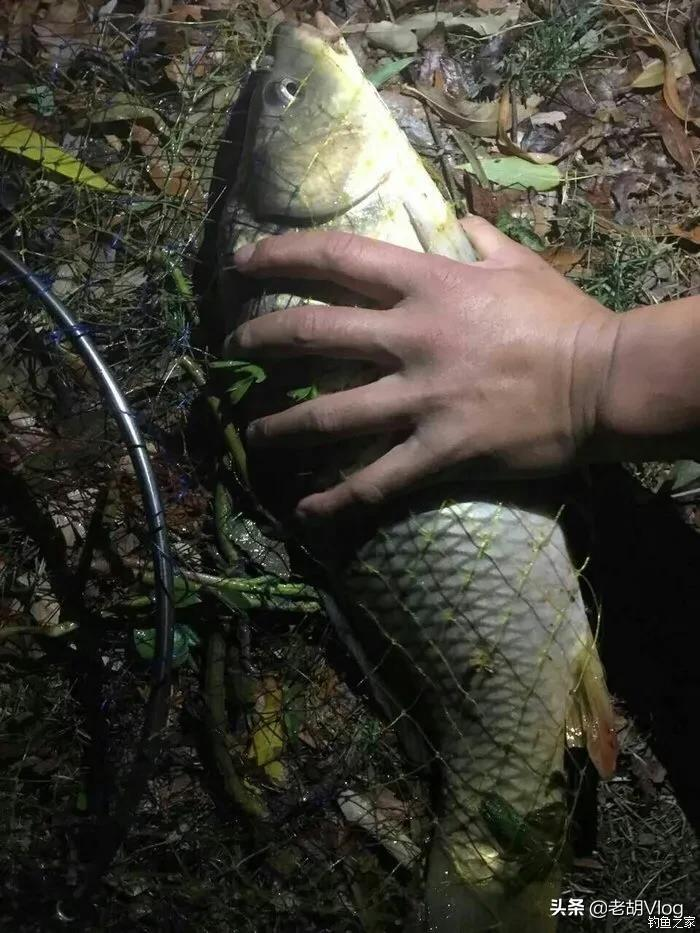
[(338, 332), (370, 267)]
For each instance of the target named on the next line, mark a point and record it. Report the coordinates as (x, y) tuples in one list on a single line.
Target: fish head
[(318, 137)]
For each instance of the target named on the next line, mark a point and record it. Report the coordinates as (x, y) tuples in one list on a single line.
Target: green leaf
[(514, 172), (20, 140), (303, 395), (42, 100), (145, 644), (248, 374), (233, 600), (187, 600), (389, 71)]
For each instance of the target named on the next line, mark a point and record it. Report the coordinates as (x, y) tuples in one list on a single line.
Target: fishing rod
[(156, 713)]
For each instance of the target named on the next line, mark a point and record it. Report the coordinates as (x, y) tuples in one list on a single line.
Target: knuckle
[(320, 420), (307, 327), (365, 492), (337, 246), (441, 274)]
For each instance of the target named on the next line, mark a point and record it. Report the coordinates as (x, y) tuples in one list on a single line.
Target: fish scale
[(502, 648), (465, 613)]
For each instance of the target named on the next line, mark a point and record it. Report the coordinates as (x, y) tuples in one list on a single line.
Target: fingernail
[(239, 338), (242, 255), (307, 518), (253, 432)]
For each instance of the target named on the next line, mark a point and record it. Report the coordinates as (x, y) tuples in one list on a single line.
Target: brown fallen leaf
[(508, 118), (692, 235), (478, 119), (186, 11), (178, 180), (147, 141), (673, 135), (563, 258), (155, 8), (195, 62), (17, 23), (63, 13), (694, 32), (489, 204), (652, 73), (671, 94), (670, 53)]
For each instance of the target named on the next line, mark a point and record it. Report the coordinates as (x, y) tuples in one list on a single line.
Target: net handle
[(156, 714)]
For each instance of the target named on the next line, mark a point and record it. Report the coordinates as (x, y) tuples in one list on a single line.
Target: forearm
[(649, 406)]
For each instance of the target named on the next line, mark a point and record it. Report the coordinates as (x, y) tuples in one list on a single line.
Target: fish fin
[(432, 218), (485, 906), (591, 720)]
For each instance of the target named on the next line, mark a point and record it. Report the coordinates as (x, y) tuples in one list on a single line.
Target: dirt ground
[(280, 801)]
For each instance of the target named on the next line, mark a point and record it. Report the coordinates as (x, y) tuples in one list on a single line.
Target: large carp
[(463, 602)]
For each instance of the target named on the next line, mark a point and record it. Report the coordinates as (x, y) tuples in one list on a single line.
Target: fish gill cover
[(306, 775)]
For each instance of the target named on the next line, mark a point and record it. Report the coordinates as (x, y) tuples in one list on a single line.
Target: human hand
[(497, 366)]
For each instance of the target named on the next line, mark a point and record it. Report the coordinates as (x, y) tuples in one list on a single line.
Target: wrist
[(593, 360), (648, 401)]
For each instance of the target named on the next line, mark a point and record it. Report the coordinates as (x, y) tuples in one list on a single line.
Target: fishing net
[(281, 798)]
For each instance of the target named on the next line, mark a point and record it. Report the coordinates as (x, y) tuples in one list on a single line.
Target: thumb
[(485, 238)]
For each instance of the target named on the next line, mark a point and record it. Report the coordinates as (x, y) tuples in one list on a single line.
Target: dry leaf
[(506, 120), (671, 95), (63, 13), (488, 204), (670, 53), (652, 74), (19, 23), (478, 119), (553, 118), (674, 136), (692, 235), (267, 737), (187, 11), (194, 62), (423, 24), (147, 141), (178, 180), (488, 6), (155, 8), (563, 258)]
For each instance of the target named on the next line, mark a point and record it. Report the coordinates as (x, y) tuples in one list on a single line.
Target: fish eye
[(282, 93)]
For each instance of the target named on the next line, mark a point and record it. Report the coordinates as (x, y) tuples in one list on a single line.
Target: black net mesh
[(300, 776)]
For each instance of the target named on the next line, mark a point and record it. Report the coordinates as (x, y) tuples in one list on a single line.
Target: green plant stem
[(232, 441), (216, 720)]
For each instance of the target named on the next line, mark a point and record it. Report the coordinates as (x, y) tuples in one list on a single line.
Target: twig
[(216, 720), (442, 155), (469, 151)]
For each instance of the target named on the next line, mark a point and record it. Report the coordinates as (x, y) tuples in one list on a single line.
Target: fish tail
[(455, 905), (591, 722)]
